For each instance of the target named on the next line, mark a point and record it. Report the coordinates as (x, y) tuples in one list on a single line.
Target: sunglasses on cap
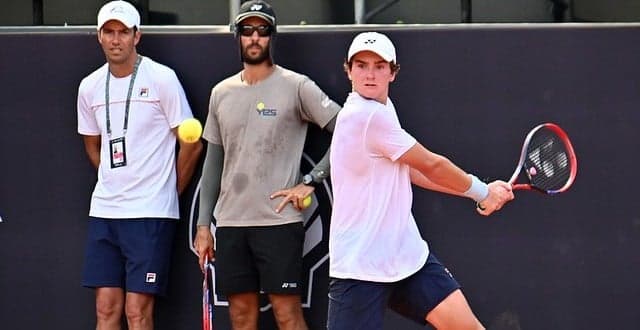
[(247, 30)]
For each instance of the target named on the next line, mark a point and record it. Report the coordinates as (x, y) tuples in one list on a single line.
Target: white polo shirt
[(146, 186)]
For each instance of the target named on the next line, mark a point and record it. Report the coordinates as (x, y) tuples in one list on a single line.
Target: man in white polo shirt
[(128, 113)]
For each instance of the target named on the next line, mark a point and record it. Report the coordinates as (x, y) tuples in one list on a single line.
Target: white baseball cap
[(374, 42), (121, 11)]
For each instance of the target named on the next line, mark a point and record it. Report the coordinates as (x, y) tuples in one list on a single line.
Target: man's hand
[(295, 195), (500, 193), (204, 245)]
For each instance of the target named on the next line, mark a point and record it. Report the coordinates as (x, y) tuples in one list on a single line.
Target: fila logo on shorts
[(151, 278)]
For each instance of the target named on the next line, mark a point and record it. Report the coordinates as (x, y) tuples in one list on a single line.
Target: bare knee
[(109, 305), (454, 313), (136, 315), (243, 318), (107, 312), (287, 310), (285, 314), (139, 310), (465, 323), (243, 310)]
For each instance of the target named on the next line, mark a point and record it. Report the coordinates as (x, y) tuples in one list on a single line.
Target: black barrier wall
[(472, 92)]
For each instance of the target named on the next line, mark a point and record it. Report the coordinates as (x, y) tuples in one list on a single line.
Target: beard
[(263, 55)]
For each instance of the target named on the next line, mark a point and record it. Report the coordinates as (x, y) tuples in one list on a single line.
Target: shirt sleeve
[(211, 132), (173, 100), (385, 137), (315, 105), (87, 124)]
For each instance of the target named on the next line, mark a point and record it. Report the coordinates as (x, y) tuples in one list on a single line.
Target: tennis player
[(377, 256)]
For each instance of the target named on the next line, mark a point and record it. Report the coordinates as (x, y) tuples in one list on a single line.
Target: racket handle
[(521, 186)]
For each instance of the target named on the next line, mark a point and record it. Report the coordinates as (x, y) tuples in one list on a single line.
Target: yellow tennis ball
[(190, 130), (306, 202)]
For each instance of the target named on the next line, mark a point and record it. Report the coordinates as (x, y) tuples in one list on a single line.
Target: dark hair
[(392, 65)]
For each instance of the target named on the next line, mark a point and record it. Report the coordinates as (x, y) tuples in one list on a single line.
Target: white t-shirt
[(146, 186), (373, 234)]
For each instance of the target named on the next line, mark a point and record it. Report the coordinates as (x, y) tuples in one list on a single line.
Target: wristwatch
[(308, 180)]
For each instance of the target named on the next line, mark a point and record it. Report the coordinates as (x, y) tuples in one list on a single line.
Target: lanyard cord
[(128, 101)]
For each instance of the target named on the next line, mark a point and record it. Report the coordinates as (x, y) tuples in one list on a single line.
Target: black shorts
[(261, 258)]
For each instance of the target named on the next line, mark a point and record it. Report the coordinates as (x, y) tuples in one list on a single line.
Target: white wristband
[(478, 190)]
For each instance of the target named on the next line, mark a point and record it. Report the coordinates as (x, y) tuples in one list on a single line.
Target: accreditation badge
[(117, 152)]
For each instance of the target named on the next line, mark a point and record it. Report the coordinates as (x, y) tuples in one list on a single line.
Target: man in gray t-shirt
[(251, 183)]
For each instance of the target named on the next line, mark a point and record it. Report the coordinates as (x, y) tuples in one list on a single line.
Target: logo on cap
[(374, 42), (117, 9), (256, 7)]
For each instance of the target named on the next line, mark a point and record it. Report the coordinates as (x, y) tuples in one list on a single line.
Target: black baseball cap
[(256, 8)]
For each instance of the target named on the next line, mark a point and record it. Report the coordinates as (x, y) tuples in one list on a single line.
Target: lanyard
[(128, 101)]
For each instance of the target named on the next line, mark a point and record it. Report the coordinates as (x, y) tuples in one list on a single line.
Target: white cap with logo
[(373, 42), (121, 11)]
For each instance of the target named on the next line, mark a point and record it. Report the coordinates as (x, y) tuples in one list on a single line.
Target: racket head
[(547, 159)]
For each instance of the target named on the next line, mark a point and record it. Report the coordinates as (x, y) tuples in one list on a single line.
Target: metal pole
[(379, 9), (143, 7), (38, 16), (466, 15), (358, 8), (559, 9)]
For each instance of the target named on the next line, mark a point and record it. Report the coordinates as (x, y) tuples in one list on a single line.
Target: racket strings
[(547, 163)]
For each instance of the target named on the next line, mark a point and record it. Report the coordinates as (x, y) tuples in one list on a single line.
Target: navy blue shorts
[(133, 254), (260, 258), (355, 304)]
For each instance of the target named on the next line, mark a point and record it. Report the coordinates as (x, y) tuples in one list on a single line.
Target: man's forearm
[(188, 156), (210, 183)]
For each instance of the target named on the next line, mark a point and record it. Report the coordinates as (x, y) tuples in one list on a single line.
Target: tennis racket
[(207, 306), (547, 163)]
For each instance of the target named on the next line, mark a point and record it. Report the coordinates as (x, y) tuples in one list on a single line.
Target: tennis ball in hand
[(190, 130), (306, 202)]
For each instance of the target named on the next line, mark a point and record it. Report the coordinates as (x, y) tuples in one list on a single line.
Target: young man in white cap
[(377, 256), (256, 129), (128, 113)]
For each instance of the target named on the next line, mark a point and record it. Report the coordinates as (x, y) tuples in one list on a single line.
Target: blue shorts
[(355, 304), (133, 254)]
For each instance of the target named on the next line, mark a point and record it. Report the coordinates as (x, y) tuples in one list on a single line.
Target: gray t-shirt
[(262, 128)]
